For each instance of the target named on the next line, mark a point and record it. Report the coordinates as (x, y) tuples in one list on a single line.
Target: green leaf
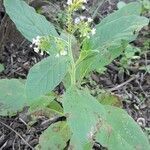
[(28, 22), (84, 115), (107, 98), (112, 127), (96, 61), (1, 67), (121, 4), (12, 96), (123, 29), (46, 106), (120, 132), (45, 76), (130, 9), (145, 68), (54, 137)]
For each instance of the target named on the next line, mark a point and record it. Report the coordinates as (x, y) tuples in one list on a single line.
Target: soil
[(132, 86)]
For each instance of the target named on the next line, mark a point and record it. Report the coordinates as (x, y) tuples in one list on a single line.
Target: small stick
[(122, 84), (17, 134)]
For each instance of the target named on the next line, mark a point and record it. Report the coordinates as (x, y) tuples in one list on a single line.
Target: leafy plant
[(129, 55), (87, 119)]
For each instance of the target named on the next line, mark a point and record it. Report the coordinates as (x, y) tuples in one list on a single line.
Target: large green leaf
[(112, 33), (28, 22), (45, 76), (12, 96), (133, 8), (121, 132), (55, 137), (112, 127), (84, 115)]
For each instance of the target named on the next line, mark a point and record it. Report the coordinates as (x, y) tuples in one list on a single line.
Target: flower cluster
[(76, 4), (36, 44), (61, 53), (82, 23), (48, 43)]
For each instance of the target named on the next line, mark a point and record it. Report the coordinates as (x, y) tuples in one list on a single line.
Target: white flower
[(77, 20), (85, 1), (63, 53), (93, 31), (36, 40), (69, 2), (82, 17), (42, 53), (36, 49), (90, 19), (83, 7)]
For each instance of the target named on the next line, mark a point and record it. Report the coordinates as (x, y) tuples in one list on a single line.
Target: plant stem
[(73, 66), (73, 69)]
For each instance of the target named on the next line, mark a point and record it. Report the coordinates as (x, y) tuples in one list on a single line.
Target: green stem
[(73, 69), (73, 66)]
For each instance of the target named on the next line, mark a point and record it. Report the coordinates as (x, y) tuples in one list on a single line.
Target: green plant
[(128, 56), (87, 120), (145, 5)]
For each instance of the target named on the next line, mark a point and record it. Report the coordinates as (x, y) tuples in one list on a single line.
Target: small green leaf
[(121, 132), (12, 97), (46, 106), (110, 99), (54, 137), (27, 21), (45, 76), (145, 68), (1, 67)]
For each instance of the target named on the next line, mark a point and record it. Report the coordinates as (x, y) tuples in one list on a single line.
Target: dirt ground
[(132, 86)]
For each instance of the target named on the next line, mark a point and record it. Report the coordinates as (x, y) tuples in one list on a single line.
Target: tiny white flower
[(57, 55), (42, 53), (90, 19), (63, 53), (36, 40), (82, 17), (36, 49), (69, 2), (93, 31), (77, 20), (83, 7), (85, 1)]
